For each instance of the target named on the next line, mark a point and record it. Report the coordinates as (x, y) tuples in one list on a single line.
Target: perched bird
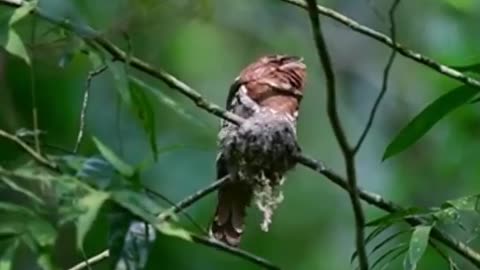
[(257, 154)]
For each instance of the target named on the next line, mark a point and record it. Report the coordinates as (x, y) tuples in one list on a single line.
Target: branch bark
[(348, 154), (380, 37)]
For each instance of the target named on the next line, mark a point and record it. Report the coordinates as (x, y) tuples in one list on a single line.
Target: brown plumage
[(257, 154)]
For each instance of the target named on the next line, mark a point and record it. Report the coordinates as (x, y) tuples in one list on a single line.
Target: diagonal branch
[(380, 37), (348, 155), (187, 202), (386, 73), (34, 154)]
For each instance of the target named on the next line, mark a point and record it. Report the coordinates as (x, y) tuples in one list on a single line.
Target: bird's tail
[(228, 223)]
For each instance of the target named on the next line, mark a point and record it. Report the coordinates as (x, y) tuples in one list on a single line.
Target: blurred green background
[(206, 43)]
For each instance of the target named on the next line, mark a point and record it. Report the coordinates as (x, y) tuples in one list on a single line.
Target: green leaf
[(475, 100), (145, 113), (167, 101), (7, 257), (138, 203), (14, 45), (45, 261), (418, 245), (119, 165), (474, 68), (468, 203), (22, 12), (170, 229), (392, 254), (121, 82), (397, 216), (91, 204), (422, 123), (42, 232), (14, 208)]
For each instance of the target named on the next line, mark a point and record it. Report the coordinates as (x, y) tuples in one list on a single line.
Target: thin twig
[(188, 201), (348, 155), (91, 261), (35, 155), (234, 251), (386, 74), (415, 56), (185, 214), (91, 75), (33, 88)]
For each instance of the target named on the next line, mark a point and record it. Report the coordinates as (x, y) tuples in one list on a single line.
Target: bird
[(256, 154)]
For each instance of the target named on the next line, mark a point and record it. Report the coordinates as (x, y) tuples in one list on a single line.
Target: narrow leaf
[(143, 110), (167, 101), (424, 121), (14, 45), (91, 204), (122, 167), (397, 216), (474, 68), (22, 12), (398, 249), (170, 229), (121, 82), (418, 245)]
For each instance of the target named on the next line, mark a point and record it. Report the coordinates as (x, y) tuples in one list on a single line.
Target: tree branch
[(92, 74), (415, 56), (386, 73), (185, 203), (348, 155), (35, 155)]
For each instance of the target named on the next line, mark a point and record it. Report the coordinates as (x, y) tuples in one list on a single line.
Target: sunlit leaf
[(22, 12), (462, 5), (14, 45), (469, 203), (42, 232), (138, 203), (418, 245), (91, 204), (424, 121), (170, 229), (6, 258), (122, 167), (45, 261)]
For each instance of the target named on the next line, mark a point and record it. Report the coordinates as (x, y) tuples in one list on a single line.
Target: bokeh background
[(206, 43)]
